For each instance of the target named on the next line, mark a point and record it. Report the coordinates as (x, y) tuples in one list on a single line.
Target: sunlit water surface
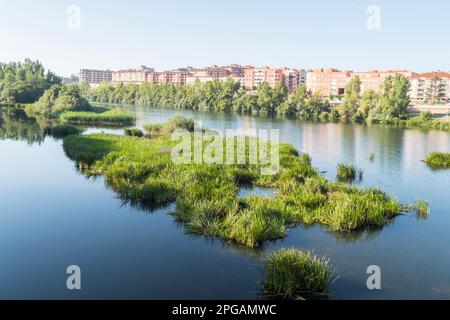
[(52, 217)]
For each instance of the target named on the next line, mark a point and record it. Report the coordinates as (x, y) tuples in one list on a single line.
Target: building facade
[(133, 76), (170, 77), (430, 87), (92, 76), (332, 82), (293, 77), (253, 77)]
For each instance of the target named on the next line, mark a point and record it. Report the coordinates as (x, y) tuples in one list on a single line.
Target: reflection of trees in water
[(16, 125)]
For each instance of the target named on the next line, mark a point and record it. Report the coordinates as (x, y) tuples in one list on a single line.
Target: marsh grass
[(422, 208), (348, 173), (438, 160), (110, 117), (177, 122), (207, 195), (290, 273)]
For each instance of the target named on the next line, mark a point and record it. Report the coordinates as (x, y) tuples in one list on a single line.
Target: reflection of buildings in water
[(348, 142), (387, 148), (322, 141)]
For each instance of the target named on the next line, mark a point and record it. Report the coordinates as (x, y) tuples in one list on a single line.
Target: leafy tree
[(352, 99), (24, 82), (436, 91), (61, 98), (395, 101), (370, 100)]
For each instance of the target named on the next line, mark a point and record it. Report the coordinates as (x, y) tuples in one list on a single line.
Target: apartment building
[(293, 77), (133, 76), (249, 77), (430, 86), (330, 82), (170, 77), (253, 77), (235, 70), (93, 76), (213, 72)]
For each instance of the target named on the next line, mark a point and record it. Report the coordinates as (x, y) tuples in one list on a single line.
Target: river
[(51, 216)]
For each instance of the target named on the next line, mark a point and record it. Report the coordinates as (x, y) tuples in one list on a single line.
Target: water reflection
[(16, 125), (132, 255)]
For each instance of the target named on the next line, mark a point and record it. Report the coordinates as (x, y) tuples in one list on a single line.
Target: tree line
[(27, 82), (24, 82), (228, 96), (214, 96)]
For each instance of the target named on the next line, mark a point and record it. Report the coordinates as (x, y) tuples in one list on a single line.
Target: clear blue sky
[(174, 33)]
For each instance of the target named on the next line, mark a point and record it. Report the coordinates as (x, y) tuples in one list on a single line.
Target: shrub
[(59, 99), (175, 123), (334, 115), (425, 116), (134, 132), (324, 116)]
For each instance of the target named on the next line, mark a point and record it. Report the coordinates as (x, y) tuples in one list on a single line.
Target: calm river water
[(52, 217)]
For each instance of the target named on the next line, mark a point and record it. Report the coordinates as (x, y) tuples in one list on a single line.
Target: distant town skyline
[(354, 35)]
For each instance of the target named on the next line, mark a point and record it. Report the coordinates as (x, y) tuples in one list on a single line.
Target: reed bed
[(206, 195), (291, 273)]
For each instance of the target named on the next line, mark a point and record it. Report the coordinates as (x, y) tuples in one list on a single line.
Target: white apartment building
[(92, 76), (424, 86)]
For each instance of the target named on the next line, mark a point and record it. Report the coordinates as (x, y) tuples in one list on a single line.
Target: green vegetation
[(291, 273), (391, 106), (348, 172), (424, 120), (111, 117), (141, 171), (134, 132), (17, 125), (67, 103), (438, 160), (436, 91), (176, 122), (216, 96), (24, 82), (58, 100), (422, 209)]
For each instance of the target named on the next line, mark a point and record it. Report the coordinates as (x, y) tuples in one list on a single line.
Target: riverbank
[(391, 107)]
